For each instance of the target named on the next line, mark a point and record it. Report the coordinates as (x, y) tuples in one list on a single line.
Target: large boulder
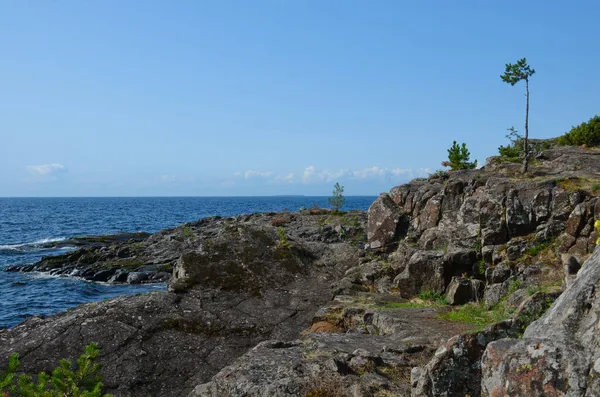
[(386, 222), (462, 290), (559, 353)]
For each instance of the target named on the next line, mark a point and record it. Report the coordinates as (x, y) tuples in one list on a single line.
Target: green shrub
[(586, 133), (81, 380), (439, 174), (512, 153), (282, 238), (458, 158)]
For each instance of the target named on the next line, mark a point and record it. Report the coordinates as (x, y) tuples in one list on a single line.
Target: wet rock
[(137, 277)]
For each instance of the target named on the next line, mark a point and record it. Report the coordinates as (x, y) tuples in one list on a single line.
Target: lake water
[(27, 223)]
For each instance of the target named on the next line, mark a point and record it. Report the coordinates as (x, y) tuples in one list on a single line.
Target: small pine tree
[(514, 73), (81, 380), (458, 158), (337, 200)]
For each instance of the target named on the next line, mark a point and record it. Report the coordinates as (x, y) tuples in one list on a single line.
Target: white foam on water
[(33, 244)]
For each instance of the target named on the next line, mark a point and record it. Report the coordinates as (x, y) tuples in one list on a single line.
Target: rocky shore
[(475, 282)]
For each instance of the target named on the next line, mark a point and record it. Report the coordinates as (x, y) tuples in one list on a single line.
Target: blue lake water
[(27, 223)]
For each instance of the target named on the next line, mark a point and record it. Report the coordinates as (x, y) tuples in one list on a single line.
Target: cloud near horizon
[(312, 175), (46, 170)]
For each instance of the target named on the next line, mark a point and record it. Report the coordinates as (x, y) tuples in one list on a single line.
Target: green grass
[(477, 314), (400, 305), (433, 296), (515, 285)]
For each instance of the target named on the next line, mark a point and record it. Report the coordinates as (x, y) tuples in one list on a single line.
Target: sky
[(266, 97)]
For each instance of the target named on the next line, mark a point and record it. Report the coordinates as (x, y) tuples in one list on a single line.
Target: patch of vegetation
[(327, 386), (441, 247), (433, 296), (482, 267), (536, 248), (513, 287), (458, 158), (478, 246), (597, 226), (132, 264), (401, 305), (397, 374), (513, 152), (478, 314), (282, 238), (165, 267), (586, 133), (187, 232), (571, 185), (443, 174), (81, 380)]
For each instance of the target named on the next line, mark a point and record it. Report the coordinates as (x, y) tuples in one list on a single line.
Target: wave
[(31, 246)]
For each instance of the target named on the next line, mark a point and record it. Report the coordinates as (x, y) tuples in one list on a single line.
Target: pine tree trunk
[(526, 141)]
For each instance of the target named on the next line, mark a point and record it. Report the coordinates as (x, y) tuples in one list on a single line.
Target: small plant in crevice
[(187, 232), (282, 238), (482, 267), (515, 285), (597, 226)]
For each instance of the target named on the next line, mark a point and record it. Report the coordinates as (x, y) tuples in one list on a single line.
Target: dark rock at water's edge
[(117, 258), (236, 282)]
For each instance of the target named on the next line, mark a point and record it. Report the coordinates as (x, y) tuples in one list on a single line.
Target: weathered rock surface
[(376, 344), (491, 224), (559, 354), (251, 289), (386, 223)]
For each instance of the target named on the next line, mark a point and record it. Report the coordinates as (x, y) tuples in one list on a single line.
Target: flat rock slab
[(378, 343)]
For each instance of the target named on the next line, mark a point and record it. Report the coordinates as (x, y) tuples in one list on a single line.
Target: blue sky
[(194, 97)]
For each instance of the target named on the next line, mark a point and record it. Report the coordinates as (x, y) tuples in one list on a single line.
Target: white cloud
[(309, 172), (370, 173), (289, 178), (311, 175), (47, 169), (254, 174), (399, 171)]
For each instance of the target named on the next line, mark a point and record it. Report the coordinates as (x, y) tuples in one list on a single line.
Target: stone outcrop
[(370, 352), (490, 224), (559, 354), (386, 224), (235, 285)]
